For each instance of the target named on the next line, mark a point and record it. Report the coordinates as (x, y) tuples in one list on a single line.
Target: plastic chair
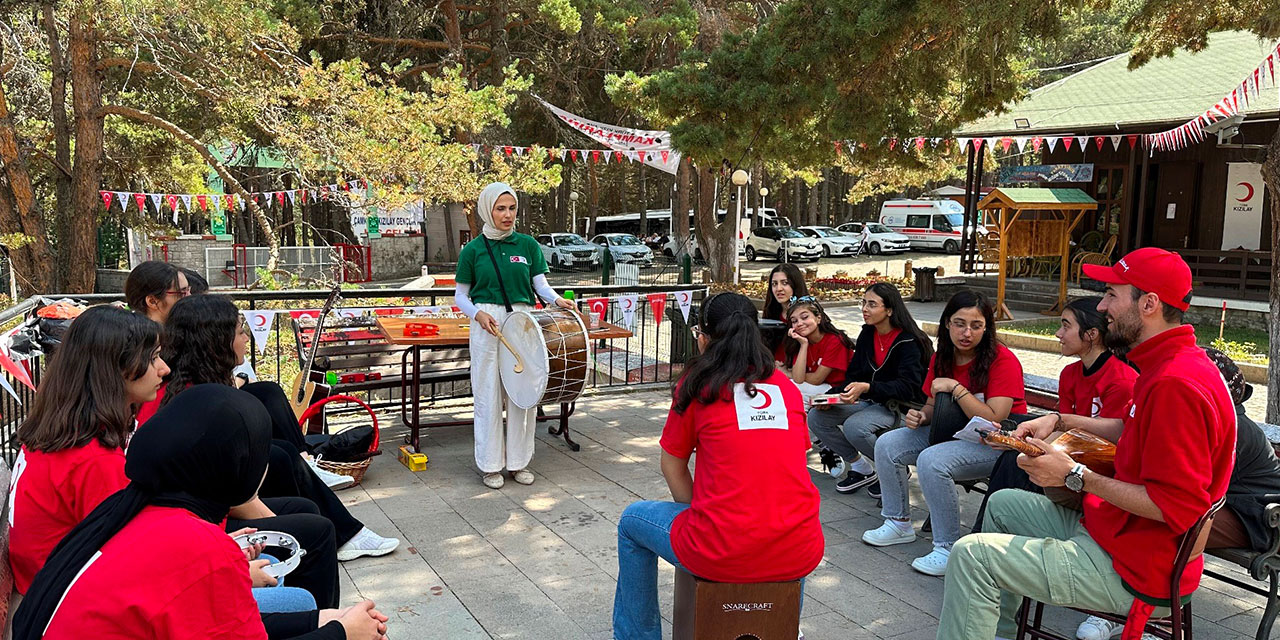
[(1175, 627)]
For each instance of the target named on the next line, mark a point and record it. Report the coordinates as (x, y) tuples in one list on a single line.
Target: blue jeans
[(282, 599), (644, 535)]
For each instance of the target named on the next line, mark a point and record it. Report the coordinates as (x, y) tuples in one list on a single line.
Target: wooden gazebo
[(1034, 223)]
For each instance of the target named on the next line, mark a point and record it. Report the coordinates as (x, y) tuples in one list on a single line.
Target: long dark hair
[(197, 343), (901, 319), (195, 281), (824, 325), (151, 278), (735, 352), (984, 354), (82, 394), (1085, 311), (774, 309)]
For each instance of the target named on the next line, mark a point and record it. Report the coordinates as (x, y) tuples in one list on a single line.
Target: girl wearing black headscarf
[(151, 560)]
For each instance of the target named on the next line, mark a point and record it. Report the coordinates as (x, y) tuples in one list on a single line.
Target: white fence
[(222, 268)]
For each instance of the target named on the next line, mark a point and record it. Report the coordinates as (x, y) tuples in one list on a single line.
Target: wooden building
[(1177, 200)]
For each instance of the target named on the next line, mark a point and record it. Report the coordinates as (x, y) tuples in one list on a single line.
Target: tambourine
[(421, 329), (277, 540)]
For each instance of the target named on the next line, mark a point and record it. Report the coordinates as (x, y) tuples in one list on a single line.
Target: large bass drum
[(553, 346)]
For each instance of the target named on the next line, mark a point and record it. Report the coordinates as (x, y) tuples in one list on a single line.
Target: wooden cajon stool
[(706, 610)]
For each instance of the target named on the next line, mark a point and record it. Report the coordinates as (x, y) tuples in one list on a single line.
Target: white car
[(670, 249), (568, 250), (834, 243), (880, 239), (782, 244), (625, 248)]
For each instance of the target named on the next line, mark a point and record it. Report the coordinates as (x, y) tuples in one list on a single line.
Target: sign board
[(1047, 173), (407, 219), (1242, 219)]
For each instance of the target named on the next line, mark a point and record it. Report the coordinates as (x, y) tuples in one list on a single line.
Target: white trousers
[(497, 448)]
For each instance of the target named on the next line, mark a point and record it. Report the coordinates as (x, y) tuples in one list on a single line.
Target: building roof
[(1028, 197), (1165, 91)]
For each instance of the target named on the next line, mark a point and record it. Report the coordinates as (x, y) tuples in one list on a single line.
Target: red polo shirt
[(1104, 392), (1004, 379), (754, 513), (1179, 443)]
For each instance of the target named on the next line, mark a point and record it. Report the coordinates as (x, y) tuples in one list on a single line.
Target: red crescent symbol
[(261, 321), (767, 400), (628, 303), (684, 297), (1247, 186)]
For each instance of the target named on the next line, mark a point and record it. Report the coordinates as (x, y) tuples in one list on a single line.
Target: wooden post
[(970, 201), (1126, 205), (1142, 199)]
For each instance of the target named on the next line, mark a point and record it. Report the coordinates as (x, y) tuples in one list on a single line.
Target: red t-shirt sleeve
[(1117, 391), (834, 355), (217, 605), (928, 377), (1005, 378), (678, 437), (1177, 465), (1066, 389), (96, 479)]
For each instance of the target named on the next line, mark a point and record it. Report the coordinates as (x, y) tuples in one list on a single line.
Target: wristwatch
[(1075, 478)]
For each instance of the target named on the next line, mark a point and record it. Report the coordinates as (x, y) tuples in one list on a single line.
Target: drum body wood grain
[(553, 344)]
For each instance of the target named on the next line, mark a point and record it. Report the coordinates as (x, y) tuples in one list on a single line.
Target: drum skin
[(553, 344)]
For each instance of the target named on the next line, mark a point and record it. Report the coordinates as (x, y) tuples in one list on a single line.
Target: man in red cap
[(1173, 460)]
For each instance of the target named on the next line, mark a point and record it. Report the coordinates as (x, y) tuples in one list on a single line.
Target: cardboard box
[(414, 461)]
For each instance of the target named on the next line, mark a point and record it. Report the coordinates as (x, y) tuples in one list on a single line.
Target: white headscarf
[(484, 208)]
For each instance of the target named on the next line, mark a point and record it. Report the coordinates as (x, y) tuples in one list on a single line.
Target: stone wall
[(111, 280), (398, 256), (189, 251)]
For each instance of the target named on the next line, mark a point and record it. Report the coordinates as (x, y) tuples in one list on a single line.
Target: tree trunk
[(61, 139), (79, 250), (18, 213), (719, 246), (680, 212), (260, 216), (1271, 174), (814, 200), (644, 206), (825, 219)]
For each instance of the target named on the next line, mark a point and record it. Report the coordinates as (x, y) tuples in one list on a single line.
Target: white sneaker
[(934, 564), (335, 481), (1095, 628), (493, 480), (890, 533), (367, 543), (523, 476)]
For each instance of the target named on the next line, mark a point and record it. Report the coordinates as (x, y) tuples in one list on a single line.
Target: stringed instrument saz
[(303, 388)]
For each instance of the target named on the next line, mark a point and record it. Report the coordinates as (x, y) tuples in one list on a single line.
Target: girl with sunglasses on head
[(751, 513), (971, 374), (888, 364), (153, 287), (816, 351)]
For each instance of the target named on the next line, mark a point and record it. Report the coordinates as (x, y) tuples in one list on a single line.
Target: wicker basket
[(354, 469)]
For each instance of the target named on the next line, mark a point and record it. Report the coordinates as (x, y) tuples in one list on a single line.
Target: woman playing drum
[(499, 273)]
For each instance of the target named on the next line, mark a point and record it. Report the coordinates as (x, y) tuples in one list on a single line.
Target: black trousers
[(284, 426), (318, 570), (289, 476), (1005, 475)]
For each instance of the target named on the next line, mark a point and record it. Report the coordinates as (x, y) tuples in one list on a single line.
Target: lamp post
[(573, 205), (764, 193), (740, 179)]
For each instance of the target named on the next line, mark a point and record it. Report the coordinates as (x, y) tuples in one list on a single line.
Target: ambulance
[(930, 224)]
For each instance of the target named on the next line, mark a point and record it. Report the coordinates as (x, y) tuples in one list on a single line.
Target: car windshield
[(625, 241), (878, 228), (827, 233), (956, 219), (788, 232), (570, 238)]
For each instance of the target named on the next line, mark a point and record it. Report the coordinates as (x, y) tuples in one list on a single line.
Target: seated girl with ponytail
[(751, 514)]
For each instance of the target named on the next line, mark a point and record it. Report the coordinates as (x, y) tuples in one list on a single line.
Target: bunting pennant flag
[(123, 198), (599, 307), (141, 200), (230, 201), (1083, 141), (1133, 140), (919, 144), (1066, 143), (280, 197), (186, 202), (203, 201), (595, 157), (684, 300), (657, 304), (260, 323), (293, 198), (1004, 144), (172, 200), (1035, 143), (106, 199), (1052, 141), (1115, 143), (628, 305), (1021, 142)]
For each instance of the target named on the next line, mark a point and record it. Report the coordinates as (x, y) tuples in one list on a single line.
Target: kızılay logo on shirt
[(519, 259), (764, 411)]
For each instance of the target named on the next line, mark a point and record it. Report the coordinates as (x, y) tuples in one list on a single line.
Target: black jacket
[(901, 377)]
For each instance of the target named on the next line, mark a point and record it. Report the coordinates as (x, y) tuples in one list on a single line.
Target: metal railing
[(308, 262), (654, 353)]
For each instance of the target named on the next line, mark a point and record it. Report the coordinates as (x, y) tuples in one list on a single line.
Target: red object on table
[(421, 329)]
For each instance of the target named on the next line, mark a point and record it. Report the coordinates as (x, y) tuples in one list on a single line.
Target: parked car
[(568, 250), (930, 224), (670, 249), (624, 248), (880, 239), (782, 243), (834, 243)]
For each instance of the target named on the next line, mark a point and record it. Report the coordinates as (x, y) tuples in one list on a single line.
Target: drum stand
[(562, 429)]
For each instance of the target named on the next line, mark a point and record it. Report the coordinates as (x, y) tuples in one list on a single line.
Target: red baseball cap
[(1153, 270)]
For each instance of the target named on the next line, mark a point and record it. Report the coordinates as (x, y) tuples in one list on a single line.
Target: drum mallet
[(519, 368)]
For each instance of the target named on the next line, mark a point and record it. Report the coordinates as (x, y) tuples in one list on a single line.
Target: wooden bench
[(1263, 566)]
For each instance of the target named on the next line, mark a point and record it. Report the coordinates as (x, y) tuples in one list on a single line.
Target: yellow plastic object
[(412, 461)]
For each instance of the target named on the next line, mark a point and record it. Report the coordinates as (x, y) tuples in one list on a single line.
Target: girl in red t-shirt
[(971, 374), (751, 515), (817, 352)]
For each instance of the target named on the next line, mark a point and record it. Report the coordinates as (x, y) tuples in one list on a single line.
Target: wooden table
[(453, 333)]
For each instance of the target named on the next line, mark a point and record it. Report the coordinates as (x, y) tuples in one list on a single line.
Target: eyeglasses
[(961, 326), (181, 293), (697, 331), (869, 304)]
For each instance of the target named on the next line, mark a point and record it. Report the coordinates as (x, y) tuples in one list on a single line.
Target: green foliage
[(560, 15)]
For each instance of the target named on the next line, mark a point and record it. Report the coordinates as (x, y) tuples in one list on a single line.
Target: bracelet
[(957, 398), (953, 389)]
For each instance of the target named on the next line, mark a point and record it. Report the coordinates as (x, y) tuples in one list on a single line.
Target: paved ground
[(540, 562)]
